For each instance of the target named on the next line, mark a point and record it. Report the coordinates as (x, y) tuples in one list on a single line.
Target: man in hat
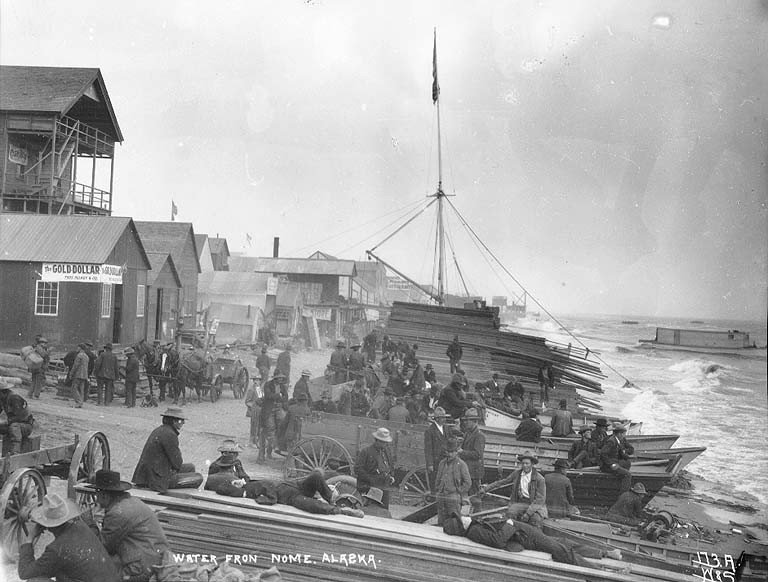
[(628, 508), (562, 421), (160, 465), (600, 434), (130, 530), (356, 362), (74, 554), (614, 456), (227, 467), (560, 501), (435, 442), (290, 427), (131, 377), (399, 413), (369, 345), (473, 449), (528, 496), (253, 411), (38, 374), (452, 399), (20, 422), (79, 376), (416, 381), (169, 370), (374, 465), (454, 353), (546, 382), (326, 404), (429, 374), (105, 371), (584, 452), (452, 483), (492, 388), (283, 363), (263, 364), (360, 401), (270, 415), (529, 429), (338, 364), (302, 386), (372, 503), (91, 357)]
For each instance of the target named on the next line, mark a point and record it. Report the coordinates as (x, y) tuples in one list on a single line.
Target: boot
[(350, 511)]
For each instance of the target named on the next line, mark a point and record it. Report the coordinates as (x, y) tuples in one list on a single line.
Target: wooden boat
[(641, 443), (496, 418), (699, 340), (308, 547)]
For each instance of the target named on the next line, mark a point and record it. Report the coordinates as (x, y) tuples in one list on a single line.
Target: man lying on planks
[(227, 477)]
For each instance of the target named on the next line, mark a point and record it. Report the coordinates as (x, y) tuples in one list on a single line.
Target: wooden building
[(163, 297), (71, 278), (178, 240), (219, 253), (58, 133), (204, 253)]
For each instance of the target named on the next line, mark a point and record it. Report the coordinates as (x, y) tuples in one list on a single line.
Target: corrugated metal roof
[(167, 236), (51, 89), (287, 266), (157, 261), (63, 239)]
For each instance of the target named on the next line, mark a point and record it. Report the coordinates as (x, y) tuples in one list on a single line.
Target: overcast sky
[(612, 154)]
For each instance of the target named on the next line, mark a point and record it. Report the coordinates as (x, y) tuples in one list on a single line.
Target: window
[(141, 293), (106, 299), (46, 298), (189, 307)]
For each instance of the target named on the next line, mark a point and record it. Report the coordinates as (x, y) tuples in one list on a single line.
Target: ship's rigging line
[(628, 382)]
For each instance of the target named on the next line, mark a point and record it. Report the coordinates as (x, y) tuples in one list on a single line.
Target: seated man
[(298, 493), (74, 554), (560, 501), (628, 508), (529, 430), (583, 453), (227, 467), (130, 532), (20, 421), (527, 499), (614, 456)]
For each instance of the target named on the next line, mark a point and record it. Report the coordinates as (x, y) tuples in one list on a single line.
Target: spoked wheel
[(240, 383), (216, 389), (23, 491), (414, 488), (91, 454), (320, 452)]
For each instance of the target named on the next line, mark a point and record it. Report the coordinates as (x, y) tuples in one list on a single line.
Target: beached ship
[(699, 340)]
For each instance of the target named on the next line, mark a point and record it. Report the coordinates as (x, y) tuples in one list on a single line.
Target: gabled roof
[(320, 255), (218, 245), (52, 238), (282, 266), (55, 90), (200, 243), (161, 237), (158, 260)]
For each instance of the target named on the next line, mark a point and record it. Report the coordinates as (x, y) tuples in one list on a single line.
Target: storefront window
[(46, 298), (106, 300), (141, 291)]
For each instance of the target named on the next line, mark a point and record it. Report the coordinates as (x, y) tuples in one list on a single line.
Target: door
[(159, 315), (117, 313)]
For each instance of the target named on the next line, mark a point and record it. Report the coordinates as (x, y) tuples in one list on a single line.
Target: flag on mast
[(435, 86), (174, 210)]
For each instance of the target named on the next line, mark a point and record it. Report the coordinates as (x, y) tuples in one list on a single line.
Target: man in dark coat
[(528, 496), (131, 377), (614, 456), (160, 465), (600, 434), (529, 429), (326, 404), (79, 376), (452, 398), (583, 453), (356, 362), (360, 402), (399, 413), (546, 382), (338, 364), (492, 388), (429, 374), (38, 375), (369, 345), (263, 364), (270, 415), (105, 371), (560, 501), (75, 554), (130, 530), (562, 421), (20, 421), (228, 467), (628, 508), (374, 466), (302, 386), (454, 353), (284, 363), (435, 441), (91, 357), (473, 449), (290, 427)]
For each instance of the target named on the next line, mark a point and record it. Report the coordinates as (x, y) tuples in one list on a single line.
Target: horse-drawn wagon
[(25, 478), (230, 370)]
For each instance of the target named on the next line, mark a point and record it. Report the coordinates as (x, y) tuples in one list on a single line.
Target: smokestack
[(276, 247)]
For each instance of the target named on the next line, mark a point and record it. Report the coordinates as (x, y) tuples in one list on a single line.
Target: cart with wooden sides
[(230, 370), (331, 442), (24, 479)]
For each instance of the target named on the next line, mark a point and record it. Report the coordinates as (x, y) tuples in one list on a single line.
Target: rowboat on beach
[(497, 418)]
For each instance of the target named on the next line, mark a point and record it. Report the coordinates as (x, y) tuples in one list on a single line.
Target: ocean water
[(712, 400)]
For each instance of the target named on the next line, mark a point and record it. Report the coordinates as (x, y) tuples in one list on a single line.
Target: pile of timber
[(486, 349), (338, 548)]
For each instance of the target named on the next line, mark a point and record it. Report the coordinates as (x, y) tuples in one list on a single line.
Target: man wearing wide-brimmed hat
[(614, 455), (290, 426), (263, 364), (374, 465), (337, 366), (79, 376), (160, 466), (454, 353), (131, 377), (302, 386), (600, 434), (227, 467), (560, 501), (452, 483), (130, 531), (435, 442), (253, 402), (584, 452), (326, 404), (528, 497), (75, 553), (628, 508), (562, 420), (271, 414), (473, 448), (106, 372), (453, 400)]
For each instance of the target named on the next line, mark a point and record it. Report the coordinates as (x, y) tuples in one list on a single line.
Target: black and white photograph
[(325, 290)]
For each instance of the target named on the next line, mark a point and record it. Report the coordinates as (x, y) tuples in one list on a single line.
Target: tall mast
[(441, 265)]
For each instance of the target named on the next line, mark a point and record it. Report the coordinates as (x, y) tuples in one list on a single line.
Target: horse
[(194, 368)]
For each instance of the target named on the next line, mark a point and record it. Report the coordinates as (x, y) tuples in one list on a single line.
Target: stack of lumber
[(318, 547), (486, 349)]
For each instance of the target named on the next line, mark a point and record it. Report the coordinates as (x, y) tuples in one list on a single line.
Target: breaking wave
[(698, 373)]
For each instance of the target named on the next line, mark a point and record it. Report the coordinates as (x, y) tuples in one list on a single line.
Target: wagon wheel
[(414, 488), (240, 383), (23, 491), (217, 388), (91, 454), (315, 453)]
